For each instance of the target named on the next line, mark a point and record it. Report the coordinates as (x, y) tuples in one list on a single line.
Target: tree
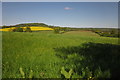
[(18, 29), (57, 30)]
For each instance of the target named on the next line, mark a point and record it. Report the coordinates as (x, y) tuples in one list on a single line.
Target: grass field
[(34, 53)]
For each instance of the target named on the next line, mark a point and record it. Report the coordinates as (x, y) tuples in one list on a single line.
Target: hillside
[(26, 25), (43, 55), (106, 32)]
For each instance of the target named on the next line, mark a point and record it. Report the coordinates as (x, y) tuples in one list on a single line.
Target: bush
[(57, 30), (60, 30), (109, 33), (18, 29), (28, 29)]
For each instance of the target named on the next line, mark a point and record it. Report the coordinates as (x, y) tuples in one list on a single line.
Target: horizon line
[(57, 25)]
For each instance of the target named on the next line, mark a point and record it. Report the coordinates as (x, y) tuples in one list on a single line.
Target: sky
[(66, 14), (0, 13), (60, 0)]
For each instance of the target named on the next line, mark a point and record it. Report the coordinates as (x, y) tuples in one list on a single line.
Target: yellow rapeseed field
[(7, 29), (32, 28)]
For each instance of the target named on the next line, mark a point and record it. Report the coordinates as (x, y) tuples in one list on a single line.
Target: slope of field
[(34, 52), (33, 28)]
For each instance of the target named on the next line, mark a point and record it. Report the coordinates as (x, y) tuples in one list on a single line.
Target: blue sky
[(71, 14), (60, 0), (0, 13)]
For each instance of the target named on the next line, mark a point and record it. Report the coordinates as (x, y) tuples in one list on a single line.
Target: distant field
[(34, 52), (82, 33), (33, 28)]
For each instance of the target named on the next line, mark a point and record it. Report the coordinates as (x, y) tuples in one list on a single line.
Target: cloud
[(68, 8)]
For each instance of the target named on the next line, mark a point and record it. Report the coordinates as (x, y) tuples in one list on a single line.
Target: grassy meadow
[(35, 54)]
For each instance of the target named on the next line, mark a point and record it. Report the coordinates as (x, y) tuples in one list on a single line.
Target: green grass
[(35, 51)]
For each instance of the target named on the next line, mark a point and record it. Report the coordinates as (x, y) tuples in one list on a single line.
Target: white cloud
[(68, 8)]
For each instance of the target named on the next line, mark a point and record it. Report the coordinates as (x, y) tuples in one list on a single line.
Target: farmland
[(33, 28), (63, 40), (45, 54)]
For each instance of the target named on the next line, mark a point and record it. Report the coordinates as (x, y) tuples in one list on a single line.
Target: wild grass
[(101, 59), (35, 51)]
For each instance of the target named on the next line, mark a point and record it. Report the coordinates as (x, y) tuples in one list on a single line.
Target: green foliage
[(94, 55), (61, 29), (4, 26), (99, 74), (18, 29), (31, 74), (87, 72), (22, 72), (36, 51), (65, 73), (56, 30), (26, 25), (31, 24), (28, 29), (107, 32)]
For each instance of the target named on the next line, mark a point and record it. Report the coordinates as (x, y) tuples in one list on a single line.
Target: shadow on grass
[(105, 56)]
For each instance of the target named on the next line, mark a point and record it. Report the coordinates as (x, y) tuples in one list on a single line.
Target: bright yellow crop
[(7, 29), (32, 28), (40, 28)]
